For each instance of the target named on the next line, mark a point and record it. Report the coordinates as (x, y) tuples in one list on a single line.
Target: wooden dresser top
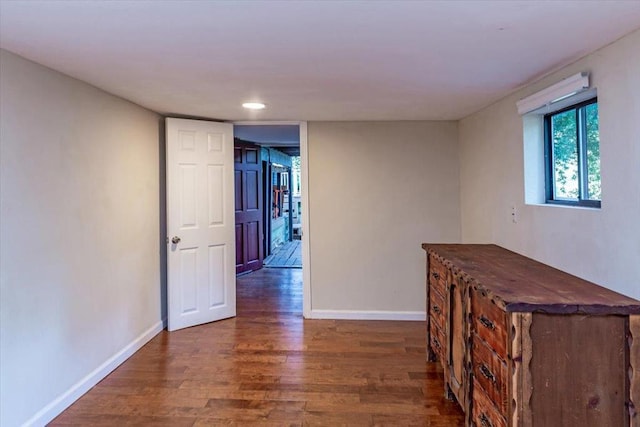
[(517, 283)]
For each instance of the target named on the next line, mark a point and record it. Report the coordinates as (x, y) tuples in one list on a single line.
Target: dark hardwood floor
[(268, 366)]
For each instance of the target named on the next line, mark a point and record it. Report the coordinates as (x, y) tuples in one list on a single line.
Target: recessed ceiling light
[(254, 105)]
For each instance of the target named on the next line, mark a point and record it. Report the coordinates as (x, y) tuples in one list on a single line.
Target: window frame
[(581, 127)]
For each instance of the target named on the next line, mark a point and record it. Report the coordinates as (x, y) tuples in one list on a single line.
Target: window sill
[(565, 206)]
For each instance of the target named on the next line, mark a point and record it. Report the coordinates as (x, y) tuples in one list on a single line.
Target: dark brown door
[(248, 200)]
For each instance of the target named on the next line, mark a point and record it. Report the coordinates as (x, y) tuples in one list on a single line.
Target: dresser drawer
[(483, 412), (438, 287), (437, 340), (489, 322), (491, 373), (436, 308), (438, 274)]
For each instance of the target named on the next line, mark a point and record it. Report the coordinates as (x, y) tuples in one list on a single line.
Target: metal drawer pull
[(435, 275), (487, 373), (487, 323), (436, 309), (484, 421)]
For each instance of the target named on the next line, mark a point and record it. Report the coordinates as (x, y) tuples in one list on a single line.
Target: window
[(572, 155)]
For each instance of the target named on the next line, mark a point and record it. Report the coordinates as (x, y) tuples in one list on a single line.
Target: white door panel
[(200, 212)]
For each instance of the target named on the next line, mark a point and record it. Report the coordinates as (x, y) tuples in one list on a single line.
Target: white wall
[(377, 190), (79, 255), (599, 245)]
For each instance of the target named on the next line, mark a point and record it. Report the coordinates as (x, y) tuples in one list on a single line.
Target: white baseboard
[(65, 400), (367, 315)]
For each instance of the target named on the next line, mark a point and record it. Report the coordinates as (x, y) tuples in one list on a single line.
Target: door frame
[(266, 208), (304, 200)]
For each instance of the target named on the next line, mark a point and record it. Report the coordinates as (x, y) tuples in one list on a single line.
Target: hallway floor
[(270, 367), (287, 255)]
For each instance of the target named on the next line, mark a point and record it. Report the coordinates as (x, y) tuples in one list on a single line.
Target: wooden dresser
[(524, 344)]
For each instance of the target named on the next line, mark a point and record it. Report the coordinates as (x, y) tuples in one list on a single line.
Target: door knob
[(175, 240)]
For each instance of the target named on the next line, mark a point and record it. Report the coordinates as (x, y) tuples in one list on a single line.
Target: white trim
[(306, 234), (563, 206), (65, 400), (368, 315), (555, 93), (304, 199)]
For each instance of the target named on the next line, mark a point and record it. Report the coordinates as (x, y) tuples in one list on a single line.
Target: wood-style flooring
[(287, 255), (270, 367)]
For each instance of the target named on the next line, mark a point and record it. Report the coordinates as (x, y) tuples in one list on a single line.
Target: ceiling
[(285, 138), (312, 60), (268, 134)]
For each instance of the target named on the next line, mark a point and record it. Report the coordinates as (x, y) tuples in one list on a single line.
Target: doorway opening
[(202, 224), (272, 237), (285, 238)]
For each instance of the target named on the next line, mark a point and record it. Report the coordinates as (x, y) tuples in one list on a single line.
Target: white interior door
[(200, 222)]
